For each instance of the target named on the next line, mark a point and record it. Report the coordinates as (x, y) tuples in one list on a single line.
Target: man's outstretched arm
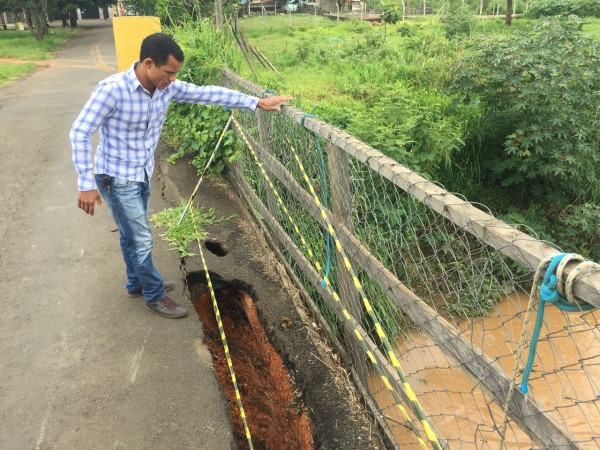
[(273, 103)]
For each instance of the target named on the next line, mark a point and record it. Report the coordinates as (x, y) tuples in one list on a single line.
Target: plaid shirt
[(130, 121)]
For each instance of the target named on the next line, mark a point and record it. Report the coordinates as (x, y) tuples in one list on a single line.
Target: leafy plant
[(195, 129), (458, 22), (541, 89), (549, 8), (579, 229), (191, 228), (391, 14)]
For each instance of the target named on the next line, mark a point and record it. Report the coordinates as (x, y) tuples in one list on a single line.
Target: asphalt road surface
[(83, 366)]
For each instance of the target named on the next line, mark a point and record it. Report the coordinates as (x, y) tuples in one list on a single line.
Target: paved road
[(82, 366)]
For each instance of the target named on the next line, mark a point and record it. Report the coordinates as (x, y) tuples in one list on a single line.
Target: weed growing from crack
[(179, 237)]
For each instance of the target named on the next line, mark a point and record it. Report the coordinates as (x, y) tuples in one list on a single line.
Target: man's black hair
[(158, 47)]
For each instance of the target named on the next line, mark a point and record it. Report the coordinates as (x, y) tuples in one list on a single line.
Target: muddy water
[(565, 379)]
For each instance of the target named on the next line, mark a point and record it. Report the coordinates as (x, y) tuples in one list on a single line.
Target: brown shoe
[(167, 308)]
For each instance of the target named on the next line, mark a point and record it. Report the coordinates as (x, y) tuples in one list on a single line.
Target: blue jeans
[(128, 204)]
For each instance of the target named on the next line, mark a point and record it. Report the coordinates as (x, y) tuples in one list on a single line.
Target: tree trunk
[(509, 8), (73, 19), (28, 19), (36, 15)]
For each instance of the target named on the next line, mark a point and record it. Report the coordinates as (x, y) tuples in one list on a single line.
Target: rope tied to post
[(554, 289), (325, 197)]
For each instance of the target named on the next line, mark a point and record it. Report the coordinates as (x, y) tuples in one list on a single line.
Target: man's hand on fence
[(273, 103)]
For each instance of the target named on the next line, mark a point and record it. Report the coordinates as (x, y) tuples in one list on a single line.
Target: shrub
[(550, 8), (579, 230), (458, 22), (541, 90), (422, 128), (195, 129)]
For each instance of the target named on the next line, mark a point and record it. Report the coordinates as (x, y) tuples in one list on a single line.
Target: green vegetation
[(37, 13), (505, 116), (541, 90), (551, 8), (196, 129), (22, 45), (10, 71), (189, 231)]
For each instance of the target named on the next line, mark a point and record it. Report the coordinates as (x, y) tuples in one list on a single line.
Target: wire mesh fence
[(427, 294)]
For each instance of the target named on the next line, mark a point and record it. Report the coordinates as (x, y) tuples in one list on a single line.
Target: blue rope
[(548, 293), (325, 197)]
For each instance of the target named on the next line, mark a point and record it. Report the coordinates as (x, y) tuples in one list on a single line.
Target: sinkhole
[(276, 416)]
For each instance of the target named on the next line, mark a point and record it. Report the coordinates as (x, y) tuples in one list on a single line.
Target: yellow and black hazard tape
[(223, 337), (408, 390)]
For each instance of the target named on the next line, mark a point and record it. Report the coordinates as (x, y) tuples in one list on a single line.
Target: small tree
[(36, 14), (391, 15), (457, 21)]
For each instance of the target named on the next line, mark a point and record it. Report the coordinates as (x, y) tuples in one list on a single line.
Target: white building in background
[(95, 13)]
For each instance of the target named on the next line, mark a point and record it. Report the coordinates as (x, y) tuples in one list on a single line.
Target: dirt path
[(19, 61)]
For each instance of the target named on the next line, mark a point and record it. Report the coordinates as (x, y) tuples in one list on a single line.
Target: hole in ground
[(275, 415), (215, 248)]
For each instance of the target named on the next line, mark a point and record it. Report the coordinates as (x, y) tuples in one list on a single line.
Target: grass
[(290, 48), (11, 71), (592, 26), (312, 54), (22, 46)]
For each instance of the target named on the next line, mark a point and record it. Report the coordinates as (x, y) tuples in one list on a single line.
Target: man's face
[(162, 76)]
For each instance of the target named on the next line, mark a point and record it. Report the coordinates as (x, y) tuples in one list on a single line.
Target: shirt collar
[(132, 80)]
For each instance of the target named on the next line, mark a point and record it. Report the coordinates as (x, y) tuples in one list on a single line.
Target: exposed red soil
[(274, 414)]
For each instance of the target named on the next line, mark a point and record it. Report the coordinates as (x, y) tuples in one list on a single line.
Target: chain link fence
[(425, 295)]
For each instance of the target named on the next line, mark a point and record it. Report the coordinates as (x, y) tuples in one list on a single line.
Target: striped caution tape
[(408, 390), (223, 337)]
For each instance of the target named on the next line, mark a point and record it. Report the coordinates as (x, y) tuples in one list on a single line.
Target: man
[(129, 110)]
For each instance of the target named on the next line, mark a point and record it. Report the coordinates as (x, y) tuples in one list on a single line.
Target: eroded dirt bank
[(276, 417)]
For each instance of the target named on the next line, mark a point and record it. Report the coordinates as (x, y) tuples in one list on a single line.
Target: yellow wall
[(130, 31)]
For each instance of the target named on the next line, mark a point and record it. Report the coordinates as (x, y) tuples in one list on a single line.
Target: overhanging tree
[(36, 14)]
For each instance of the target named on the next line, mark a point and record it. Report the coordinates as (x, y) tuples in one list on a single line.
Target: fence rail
[(394, 225)]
